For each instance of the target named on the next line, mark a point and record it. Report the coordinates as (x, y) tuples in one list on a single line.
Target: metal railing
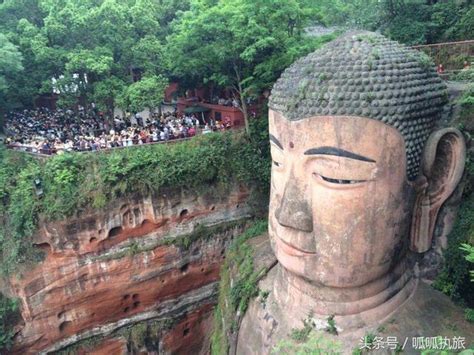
[(453, 56), (48, 152)]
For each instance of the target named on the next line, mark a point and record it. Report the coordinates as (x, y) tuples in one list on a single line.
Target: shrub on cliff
[(238, 285), (9, 315), (454, 279), (74, 182)]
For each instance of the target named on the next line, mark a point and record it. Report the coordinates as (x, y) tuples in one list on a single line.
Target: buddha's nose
[(294, 210)]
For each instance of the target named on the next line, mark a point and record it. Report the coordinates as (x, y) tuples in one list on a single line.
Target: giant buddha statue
[(359, 173)]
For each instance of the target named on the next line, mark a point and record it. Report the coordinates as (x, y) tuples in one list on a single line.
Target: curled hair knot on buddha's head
[(364, 74)]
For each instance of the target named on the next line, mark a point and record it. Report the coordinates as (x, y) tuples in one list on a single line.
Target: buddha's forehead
[(360, 135)]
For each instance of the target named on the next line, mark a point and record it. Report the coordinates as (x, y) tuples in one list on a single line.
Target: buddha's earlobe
[(442, 167)]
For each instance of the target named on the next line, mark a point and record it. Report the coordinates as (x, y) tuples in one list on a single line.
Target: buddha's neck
[(292, 291)]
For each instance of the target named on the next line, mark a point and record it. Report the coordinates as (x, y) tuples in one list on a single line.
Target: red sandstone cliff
[(129, 278)]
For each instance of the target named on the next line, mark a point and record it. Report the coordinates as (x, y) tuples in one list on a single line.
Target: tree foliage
[(10, 61), (107, 94), (454, 279), (242, 44), (408, 21), (469, 249), (9, 315), (87, 45), (10, 66), (146, 93)]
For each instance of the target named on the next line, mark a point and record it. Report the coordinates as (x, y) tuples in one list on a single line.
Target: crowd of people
[(57, 131)]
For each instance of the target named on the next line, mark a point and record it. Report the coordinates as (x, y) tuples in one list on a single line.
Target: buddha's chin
[(297, 263), (292, 259)]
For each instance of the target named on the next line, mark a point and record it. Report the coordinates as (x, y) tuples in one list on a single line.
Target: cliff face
[(141, 275)]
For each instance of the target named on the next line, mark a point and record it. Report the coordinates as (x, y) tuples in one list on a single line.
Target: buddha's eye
[(334, 172), (277, 156), (338, 181)]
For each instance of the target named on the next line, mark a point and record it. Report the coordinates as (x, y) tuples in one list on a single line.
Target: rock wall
[(141, 275)]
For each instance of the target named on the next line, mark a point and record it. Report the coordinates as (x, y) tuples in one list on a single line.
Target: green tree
[(40, 60), (242, 45), (147, 93), (147, 55), (408, 21), (86, 67), (85, 42), (469, 249), (9, 316), (10, 62), (107, 94), (10, 66)]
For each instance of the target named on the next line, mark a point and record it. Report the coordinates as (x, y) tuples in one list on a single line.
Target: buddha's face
[(340, 205)]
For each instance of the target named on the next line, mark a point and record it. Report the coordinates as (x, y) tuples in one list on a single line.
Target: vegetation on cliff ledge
[(72, 183), (237, 286), (9, 314)]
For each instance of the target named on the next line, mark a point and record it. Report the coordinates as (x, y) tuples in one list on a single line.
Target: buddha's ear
[(442, 167)]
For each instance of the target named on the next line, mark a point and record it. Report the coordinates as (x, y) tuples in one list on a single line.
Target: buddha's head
[(358, 171)]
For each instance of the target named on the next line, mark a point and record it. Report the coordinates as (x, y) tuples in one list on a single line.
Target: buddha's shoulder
[(427, 314)]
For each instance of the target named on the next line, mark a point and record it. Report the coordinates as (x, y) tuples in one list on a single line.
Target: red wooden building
[(212, 112), (199, 102)]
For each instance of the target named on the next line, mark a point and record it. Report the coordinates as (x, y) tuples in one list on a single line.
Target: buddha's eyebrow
[(337, 152), (276, 141)]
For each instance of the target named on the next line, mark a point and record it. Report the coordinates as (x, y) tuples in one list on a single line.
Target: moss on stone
[(358, 64), (237, 286), (140, 335), (184, 242), (83, 345), (308, 341), (203, 233)]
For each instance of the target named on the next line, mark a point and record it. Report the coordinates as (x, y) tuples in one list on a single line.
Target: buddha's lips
[(291, 249)]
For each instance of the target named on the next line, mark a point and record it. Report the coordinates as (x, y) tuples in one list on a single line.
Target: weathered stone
[(427, 313), (354, 199), (130, 263), (379, 61)]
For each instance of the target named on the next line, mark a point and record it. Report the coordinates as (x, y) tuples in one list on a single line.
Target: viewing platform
[(231, 114)]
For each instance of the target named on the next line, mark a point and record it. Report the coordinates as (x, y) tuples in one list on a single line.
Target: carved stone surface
[(357, 183), (427, 313), (119, 267), (363, 74)]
